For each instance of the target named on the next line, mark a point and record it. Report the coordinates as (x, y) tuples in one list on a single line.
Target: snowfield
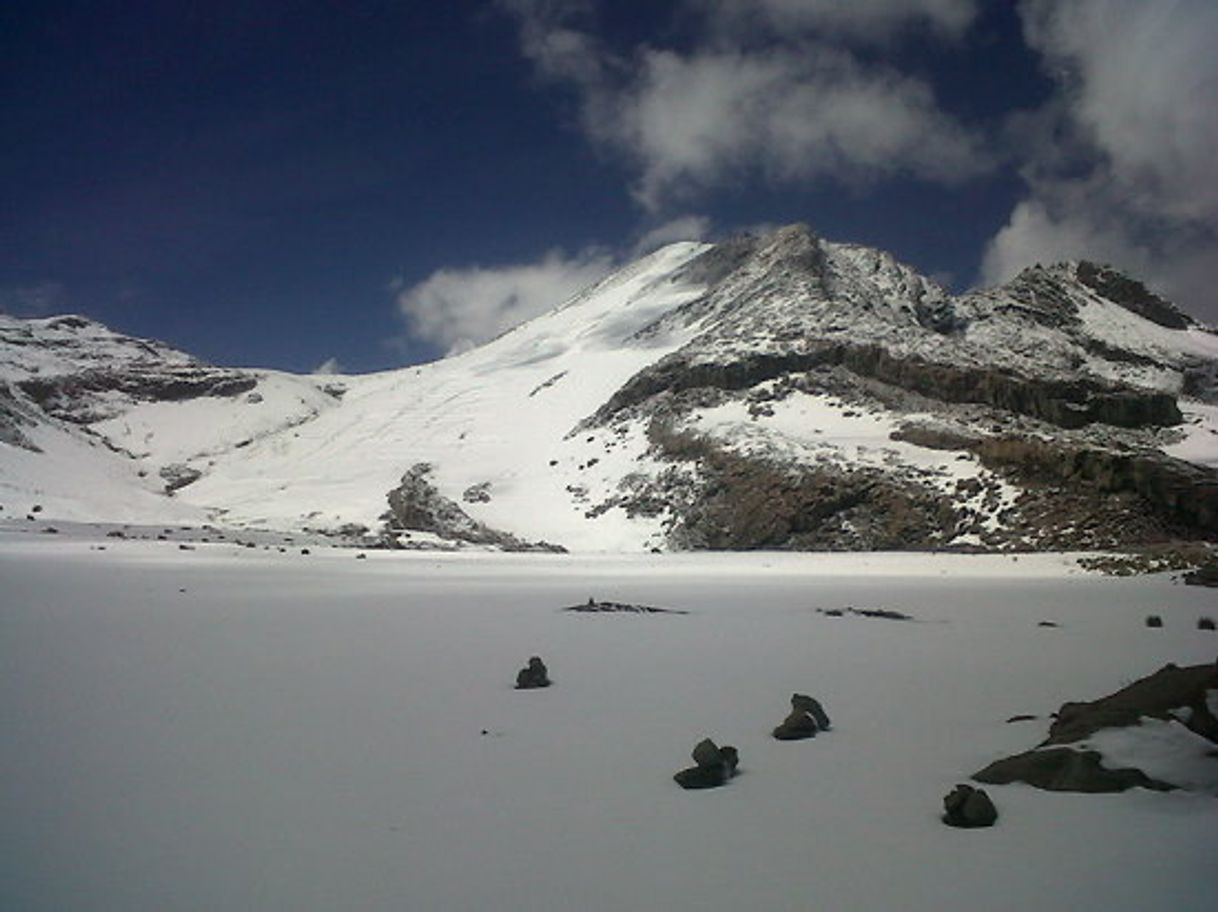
[(231, 728)]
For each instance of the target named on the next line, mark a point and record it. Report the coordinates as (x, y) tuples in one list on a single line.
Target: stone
[(715, 765), (813, 708), (533, 676), (968, 808), (1153, 620), (796, 727)]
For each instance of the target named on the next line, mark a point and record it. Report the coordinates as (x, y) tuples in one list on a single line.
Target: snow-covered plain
[(231, 728)]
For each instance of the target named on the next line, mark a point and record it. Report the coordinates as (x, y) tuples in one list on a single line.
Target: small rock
[(968, 808), (715, 765), (532, 676), (796, 727), (1021, 717), (813, 708), (1153, 620), (1047, 624), (1205, 623)]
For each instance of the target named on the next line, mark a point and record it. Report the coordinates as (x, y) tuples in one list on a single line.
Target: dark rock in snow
[(1063, 769), (807, 717), (968, 808), (796, 727), (1153, 620), (532, 676), (1203, 576), (592, 606), (1205, 623), (1062, 763), (715, 765)]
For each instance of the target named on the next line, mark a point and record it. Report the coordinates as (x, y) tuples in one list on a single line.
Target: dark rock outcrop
[(1157, 696), (1132, 295), (968, 808), (179, 475), (75, 398), (1062, 763), (533, 675), (1203, 576), (416, 505), (1064, 769), (714, 766), (1065, 403)]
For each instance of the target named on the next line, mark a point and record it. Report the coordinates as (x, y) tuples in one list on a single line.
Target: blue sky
[(375, 183)]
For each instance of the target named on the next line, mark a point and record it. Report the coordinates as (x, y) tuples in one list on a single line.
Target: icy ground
[(229, 728)]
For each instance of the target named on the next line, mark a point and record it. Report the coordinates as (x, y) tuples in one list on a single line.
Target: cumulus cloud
[(1121, 164), (790, 105), (457, 309), (33, 300)]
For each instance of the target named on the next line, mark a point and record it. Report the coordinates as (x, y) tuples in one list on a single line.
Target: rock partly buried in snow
[(968, 808), (715, 765), (807, 717), (1064, 769), (533, 675), (1066, 762), (592, 606)]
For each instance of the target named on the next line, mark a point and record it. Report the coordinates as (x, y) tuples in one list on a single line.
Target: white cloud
[(683, 228), (790, 109), (457, 309), (1122, 168)]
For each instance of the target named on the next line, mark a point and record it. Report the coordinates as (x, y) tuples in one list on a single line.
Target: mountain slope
[(779, 391)]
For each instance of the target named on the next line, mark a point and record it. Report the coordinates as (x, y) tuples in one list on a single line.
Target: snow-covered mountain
[(779, 391)]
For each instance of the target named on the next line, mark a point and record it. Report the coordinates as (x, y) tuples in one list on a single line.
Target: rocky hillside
[(779, 391)]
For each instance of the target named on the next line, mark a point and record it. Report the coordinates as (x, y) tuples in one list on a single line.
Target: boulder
[(715, 765), (533, 675), (796, 727), (813, 708), (968, 808)]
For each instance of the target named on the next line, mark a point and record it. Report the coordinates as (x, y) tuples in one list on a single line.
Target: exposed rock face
[(1132, 295), (533, 675), (76, 397), (179, 476), (1157, 696), (14, 420), (969, 808), (416, 505), (1172, 693), (715, 765)]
